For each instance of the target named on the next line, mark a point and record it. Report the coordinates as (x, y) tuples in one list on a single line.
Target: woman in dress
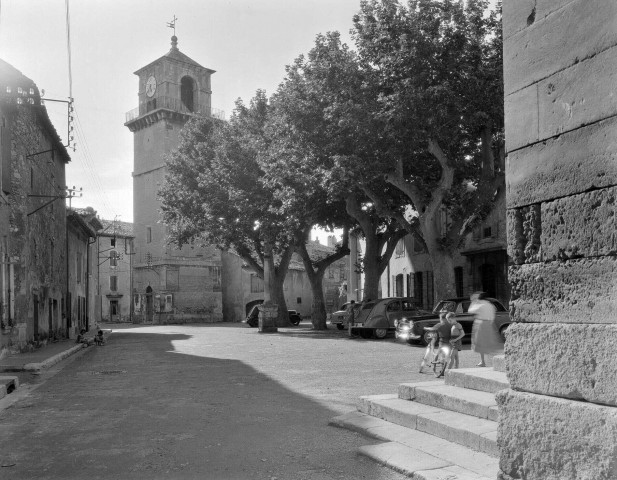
[(484, 336)]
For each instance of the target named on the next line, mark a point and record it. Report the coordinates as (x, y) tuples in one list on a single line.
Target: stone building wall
[(559, 421), (36, 238)]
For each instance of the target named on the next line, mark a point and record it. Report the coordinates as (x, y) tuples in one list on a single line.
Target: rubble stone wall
[(558, 421)]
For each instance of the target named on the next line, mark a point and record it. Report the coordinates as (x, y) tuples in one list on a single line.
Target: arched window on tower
[(187, 93)]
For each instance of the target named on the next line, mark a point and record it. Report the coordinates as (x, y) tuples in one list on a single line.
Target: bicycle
[(431, 352), (437, 357)]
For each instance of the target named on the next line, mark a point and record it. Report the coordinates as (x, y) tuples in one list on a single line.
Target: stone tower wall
[(559, 419)]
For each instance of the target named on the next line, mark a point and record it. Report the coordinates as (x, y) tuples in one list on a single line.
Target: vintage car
[(377, 318), (412, 330), (339, 318), (252, 319)]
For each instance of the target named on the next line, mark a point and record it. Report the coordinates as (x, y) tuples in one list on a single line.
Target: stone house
[(33, 281), (114, 255), (481, 264), (81, 270)]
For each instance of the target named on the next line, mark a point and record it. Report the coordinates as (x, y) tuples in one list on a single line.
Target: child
[(456, 339), (100, 338), (81, 338)]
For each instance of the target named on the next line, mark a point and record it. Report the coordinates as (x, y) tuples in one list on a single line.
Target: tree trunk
[(273, 286), (442, 261), (318, 309), (372, 267)]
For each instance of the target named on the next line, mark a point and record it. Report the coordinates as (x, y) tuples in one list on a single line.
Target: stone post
[(268, 314), (558, 421)]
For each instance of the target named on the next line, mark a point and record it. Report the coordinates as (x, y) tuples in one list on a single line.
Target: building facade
[(480, 265), (33, 224), (114, 255)]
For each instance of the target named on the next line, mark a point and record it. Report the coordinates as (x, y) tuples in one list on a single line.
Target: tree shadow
[(140, 407)]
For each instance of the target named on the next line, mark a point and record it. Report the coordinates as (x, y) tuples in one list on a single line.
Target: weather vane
[(172, 24)]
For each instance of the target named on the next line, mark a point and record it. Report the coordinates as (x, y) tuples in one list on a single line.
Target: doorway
[(113, 310), (149, 305), (35, 316)]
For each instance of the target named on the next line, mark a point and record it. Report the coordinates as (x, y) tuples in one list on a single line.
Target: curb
[(35, 367)]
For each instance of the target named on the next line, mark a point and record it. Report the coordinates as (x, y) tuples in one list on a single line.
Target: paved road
[(204, 402)]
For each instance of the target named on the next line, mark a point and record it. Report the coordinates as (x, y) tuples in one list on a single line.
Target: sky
[(247, 42)]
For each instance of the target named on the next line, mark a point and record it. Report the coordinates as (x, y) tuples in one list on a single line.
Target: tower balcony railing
[(175, 105)]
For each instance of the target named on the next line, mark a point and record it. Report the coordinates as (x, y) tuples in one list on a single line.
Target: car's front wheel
[(380, 333), (425, 339), (340, 326)]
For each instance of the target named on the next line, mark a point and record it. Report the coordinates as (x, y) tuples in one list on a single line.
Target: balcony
[(174, 105)]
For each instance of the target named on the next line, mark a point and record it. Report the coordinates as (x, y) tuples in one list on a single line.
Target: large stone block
[(579, 95), (575, 361), (521, 118), (572, 163), (582, 225), (558, 41), (521, 14), (547, 438), (574, 291), (524, 233)]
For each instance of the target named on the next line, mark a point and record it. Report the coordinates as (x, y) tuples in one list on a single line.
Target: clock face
[(151, 86)]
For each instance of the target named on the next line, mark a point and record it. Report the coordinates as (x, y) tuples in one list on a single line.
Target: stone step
[(483, 379), (7, 385), (476, 433), (470, 402), (499, 363), (418, 454)]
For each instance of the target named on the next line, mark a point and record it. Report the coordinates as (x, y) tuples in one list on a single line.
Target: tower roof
[(176, 55)]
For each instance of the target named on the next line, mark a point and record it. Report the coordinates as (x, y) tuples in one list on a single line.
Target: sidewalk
[(43, 357), (40, 358)]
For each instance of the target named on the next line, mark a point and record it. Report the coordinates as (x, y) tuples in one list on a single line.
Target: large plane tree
[(437, 69)]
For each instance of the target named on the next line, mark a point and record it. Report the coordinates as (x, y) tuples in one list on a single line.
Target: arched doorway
[(187, 93), (149, 305)]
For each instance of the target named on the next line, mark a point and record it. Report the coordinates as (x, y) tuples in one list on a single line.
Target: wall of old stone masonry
[(559, 419)]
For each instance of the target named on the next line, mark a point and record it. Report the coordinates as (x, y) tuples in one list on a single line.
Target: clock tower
[(169, 284)]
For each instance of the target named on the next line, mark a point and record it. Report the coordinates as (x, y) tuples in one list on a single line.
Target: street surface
[(219, 401)]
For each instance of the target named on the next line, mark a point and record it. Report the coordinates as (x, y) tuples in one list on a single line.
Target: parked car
[(413, 330), (377, 318), (339, 318), (252, 319)]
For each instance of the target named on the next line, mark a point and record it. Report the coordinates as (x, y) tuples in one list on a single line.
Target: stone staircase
[(435, 430)]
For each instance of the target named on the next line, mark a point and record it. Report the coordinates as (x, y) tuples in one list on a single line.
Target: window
[(399, 285), (299, 300), (113, 258), (342, 273), (113, 283), (393, 307), (257, 284), (330, 272), (187, 89), (408, 306), (148, 234), (78, 268), (487, 232), (418, 288), (418, 247)]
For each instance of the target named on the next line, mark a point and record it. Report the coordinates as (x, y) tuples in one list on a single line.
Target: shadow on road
[(169, 405)]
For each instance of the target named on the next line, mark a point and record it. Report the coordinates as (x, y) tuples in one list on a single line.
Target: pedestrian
[(444, 330), (484, 337), (456, 339), (99, 339), (351, 316)]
